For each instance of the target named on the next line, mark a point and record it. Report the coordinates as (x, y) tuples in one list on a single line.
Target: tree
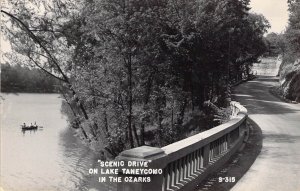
[(289, 70), (276, 44), (16, 78), (132, 67), (293, 30)]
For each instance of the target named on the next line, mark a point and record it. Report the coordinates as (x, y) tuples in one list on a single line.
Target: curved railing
[(187, 162)]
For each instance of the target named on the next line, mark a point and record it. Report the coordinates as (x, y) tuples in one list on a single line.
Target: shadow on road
[(268, 79), (263, 102), (281, 138)]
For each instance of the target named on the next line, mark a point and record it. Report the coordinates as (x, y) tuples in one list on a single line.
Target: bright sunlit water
[(48, 159)]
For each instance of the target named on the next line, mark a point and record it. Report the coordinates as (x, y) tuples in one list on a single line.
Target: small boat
[(24, 128), (30, 127)]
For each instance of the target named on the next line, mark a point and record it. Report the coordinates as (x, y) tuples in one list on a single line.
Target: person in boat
[(35, 125), (24, 125), (31, 125)]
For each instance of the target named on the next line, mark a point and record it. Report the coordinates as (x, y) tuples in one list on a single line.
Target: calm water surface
[(49, 159)]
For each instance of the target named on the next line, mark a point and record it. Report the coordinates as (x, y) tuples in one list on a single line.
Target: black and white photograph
[(150, 95)]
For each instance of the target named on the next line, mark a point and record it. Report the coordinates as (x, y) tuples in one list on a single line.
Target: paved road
[(277, 168)]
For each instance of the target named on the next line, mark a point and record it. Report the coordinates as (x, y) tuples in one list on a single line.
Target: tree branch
[(49, 73), (40, 54), (37, 40)]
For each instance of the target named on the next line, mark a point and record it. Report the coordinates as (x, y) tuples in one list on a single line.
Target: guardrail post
[(228, 141), (206, 150), (156, 159)]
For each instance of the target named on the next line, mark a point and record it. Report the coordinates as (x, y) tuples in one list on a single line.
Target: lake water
[(48, 159)]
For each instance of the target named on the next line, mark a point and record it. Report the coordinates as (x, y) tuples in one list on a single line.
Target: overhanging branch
[(37, 40), (46, 71)]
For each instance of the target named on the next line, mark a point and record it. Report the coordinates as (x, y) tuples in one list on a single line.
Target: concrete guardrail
[(186, 163)]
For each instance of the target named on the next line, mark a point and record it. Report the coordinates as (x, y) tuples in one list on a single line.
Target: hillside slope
[(290, 80)]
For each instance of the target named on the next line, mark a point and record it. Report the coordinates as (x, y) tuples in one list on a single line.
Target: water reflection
[(79, 160), (30, 131)]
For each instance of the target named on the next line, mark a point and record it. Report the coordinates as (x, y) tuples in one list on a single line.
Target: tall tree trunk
[(172, 116), (76, 119), (160, 119), (142, 134), (129, 68), (146, 101), (136, 135), (106, 122), (182, 111)]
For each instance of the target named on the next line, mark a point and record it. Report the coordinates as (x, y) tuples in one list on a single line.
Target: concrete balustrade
[(187, 162)]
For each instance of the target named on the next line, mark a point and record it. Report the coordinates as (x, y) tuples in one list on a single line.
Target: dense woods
[(276, 44), (288, 45), (129, 67), (16, 78)]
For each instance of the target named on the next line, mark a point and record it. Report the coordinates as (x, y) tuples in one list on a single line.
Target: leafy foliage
[(131, 67), (276, 44), (290, 68), (16, 78)]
